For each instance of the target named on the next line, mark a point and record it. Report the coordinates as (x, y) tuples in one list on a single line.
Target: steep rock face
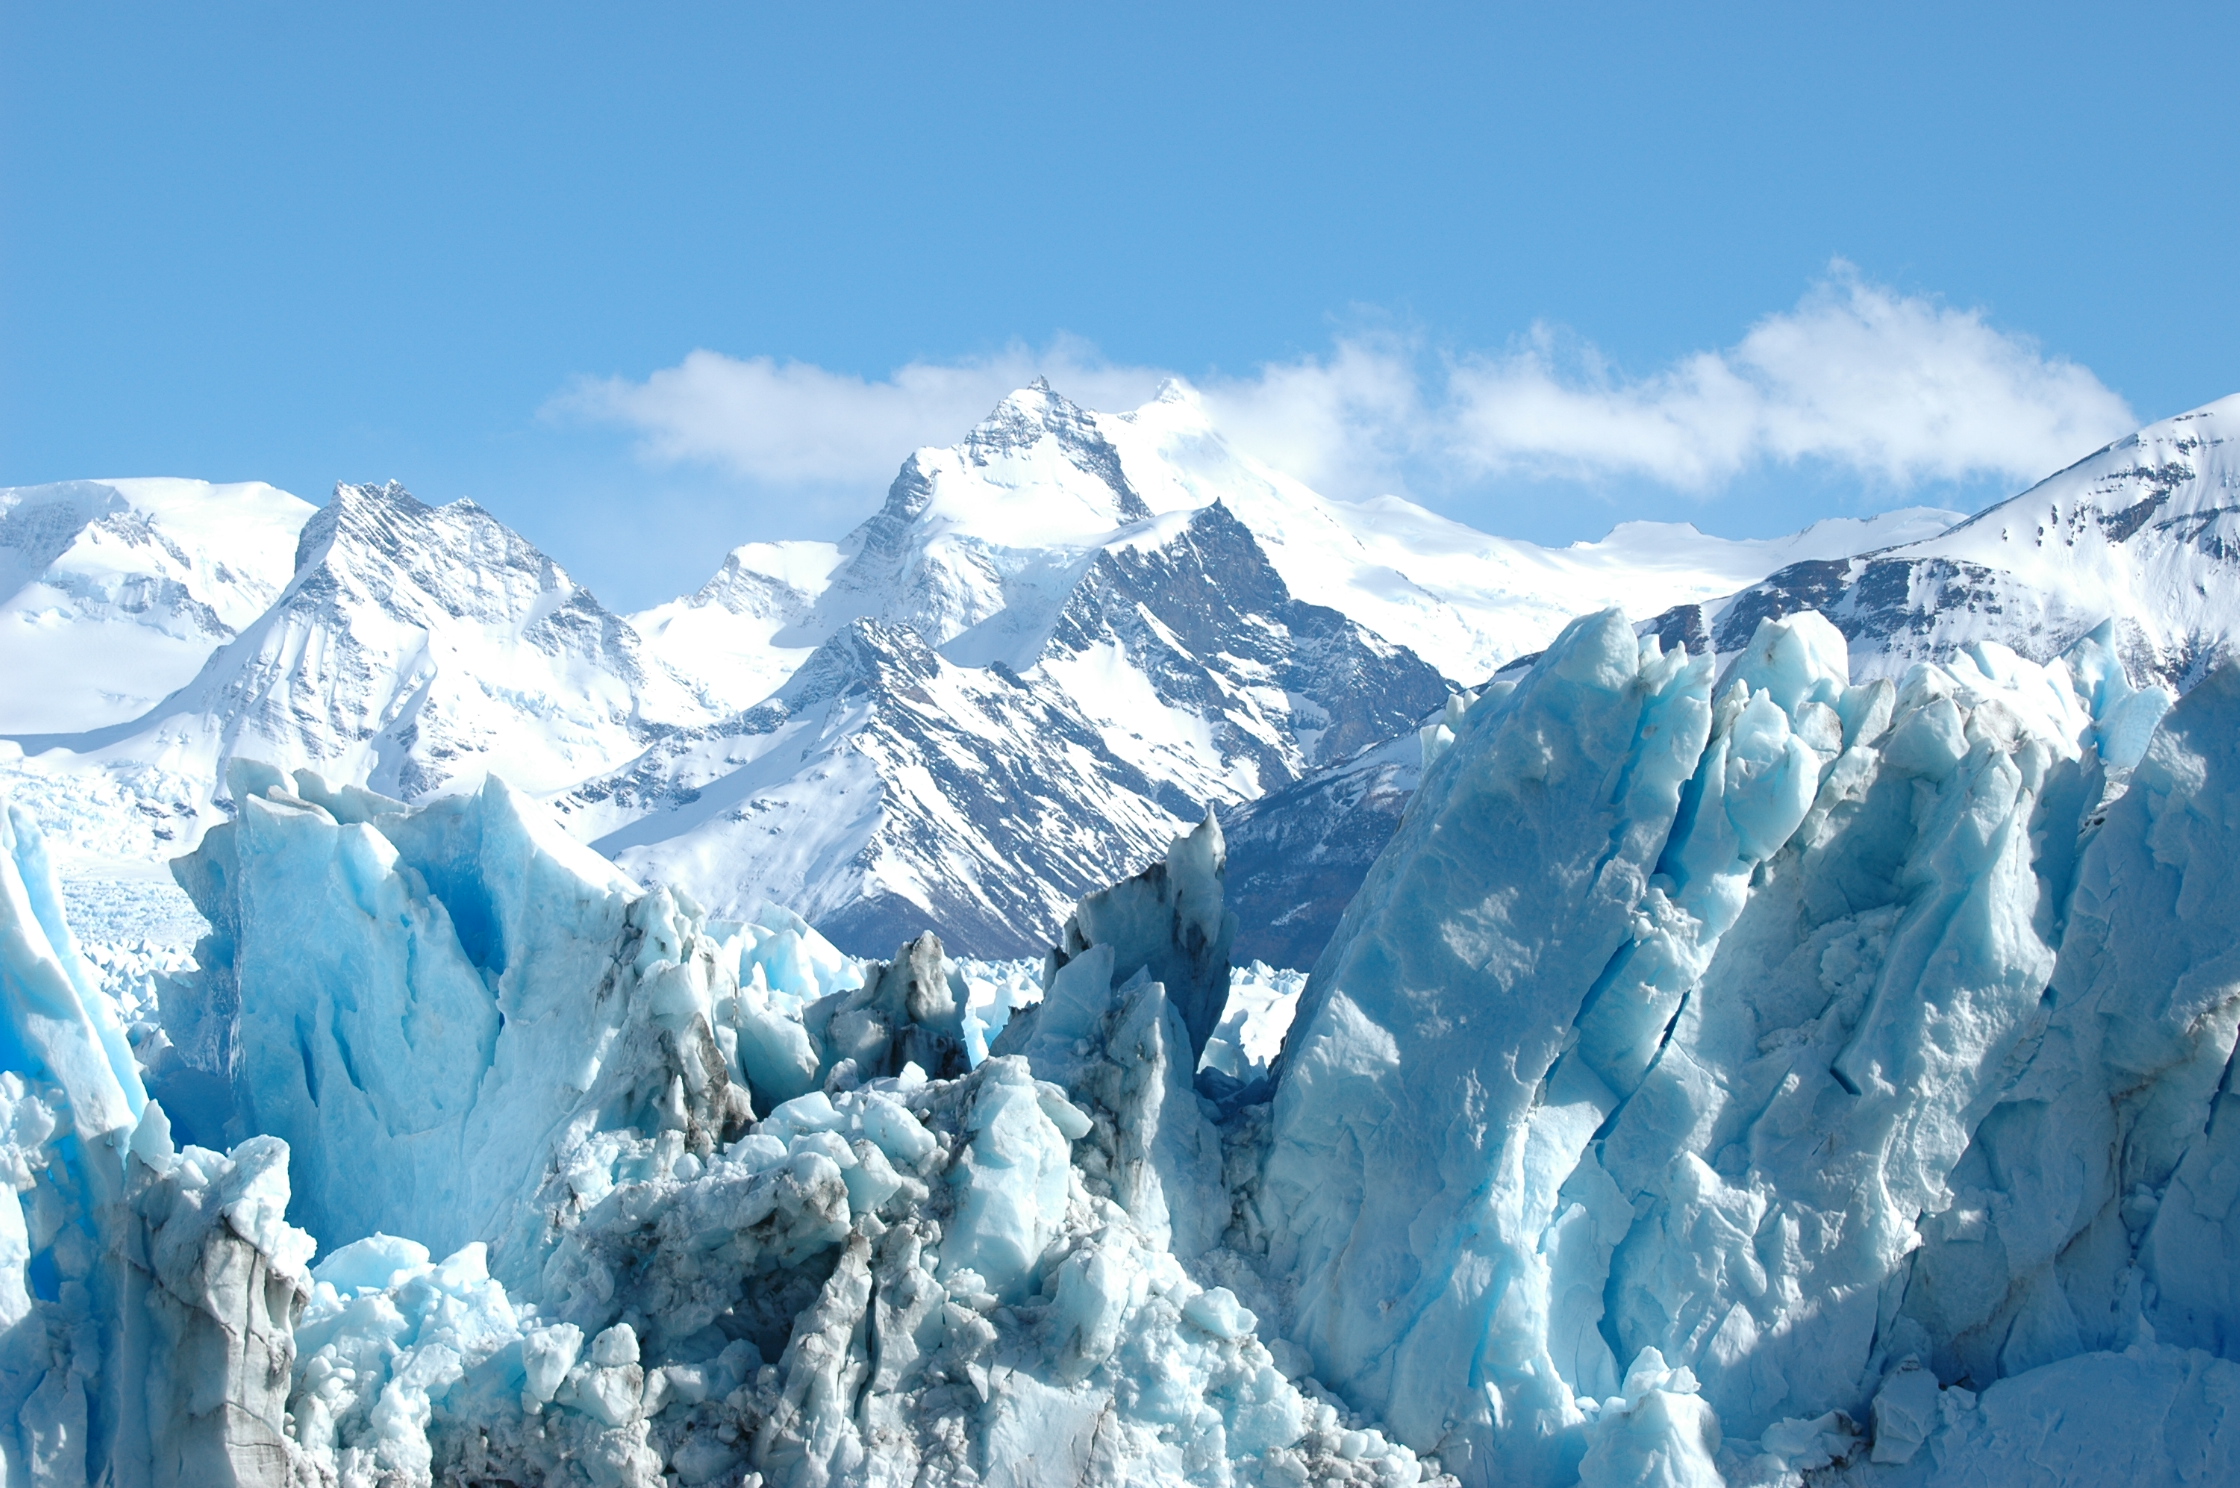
[(413, 648), (113, 593), (1281, 687), (1297, 856), (884, 790), (2145, 532)]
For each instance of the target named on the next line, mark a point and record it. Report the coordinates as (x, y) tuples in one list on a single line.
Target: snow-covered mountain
[(1121, 609), (887, 786), (113, 593), (2145, 533), (1220, 630), (414, 649)]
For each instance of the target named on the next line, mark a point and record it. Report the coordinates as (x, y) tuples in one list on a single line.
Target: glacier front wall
[(1718, 1079), (1798, 1033)]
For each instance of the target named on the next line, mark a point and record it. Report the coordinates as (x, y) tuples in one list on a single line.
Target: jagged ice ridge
[(1743, 1077)]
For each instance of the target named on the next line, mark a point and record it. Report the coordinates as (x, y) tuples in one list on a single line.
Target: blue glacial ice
[(551, 1179), (1729, 1075), (1809, 1040)]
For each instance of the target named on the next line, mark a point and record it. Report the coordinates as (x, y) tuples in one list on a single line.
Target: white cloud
[(1897, 389), (793, 423), (1348, 424)]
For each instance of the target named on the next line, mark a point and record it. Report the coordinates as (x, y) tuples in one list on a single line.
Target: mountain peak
[(1022, 417), (1175, 390), (1013, 432), (389, 492)]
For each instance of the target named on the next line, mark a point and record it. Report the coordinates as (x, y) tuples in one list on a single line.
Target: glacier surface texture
[(1728, 1074)]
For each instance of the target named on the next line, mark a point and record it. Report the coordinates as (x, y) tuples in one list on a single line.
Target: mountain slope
[(886, 786), (1298, 855), (884, 789), (113, 593), (724, 635), (2145, 533), (415, 648)]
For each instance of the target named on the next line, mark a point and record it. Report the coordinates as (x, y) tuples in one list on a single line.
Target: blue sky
[(1541, 269)]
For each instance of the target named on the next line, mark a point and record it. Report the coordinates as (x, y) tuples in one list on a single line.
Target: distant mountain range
[(1054, 646)]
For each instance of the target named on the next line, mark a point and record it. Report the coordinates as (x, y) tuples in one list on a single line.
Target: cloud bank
[(1897, 390), (794, 423)]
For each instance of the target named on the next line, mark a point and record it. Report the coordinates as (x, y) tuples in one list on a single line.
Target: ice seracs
[(1771, 1099), (967, 1275), (1729, 1073)]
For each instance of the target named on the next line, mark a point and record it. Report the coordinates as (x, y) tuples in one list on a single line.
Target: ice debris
[(1752, 1079), (1263, 999), (489, 1047)]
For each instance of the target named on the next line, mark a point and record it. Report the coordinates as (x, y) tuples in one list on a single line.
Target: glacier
[(1730, 1073)]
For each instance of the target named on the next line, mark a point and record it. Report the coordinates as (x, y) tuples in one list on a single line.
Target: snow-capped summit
[(985, 525), (982, 784), (990, 534)]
